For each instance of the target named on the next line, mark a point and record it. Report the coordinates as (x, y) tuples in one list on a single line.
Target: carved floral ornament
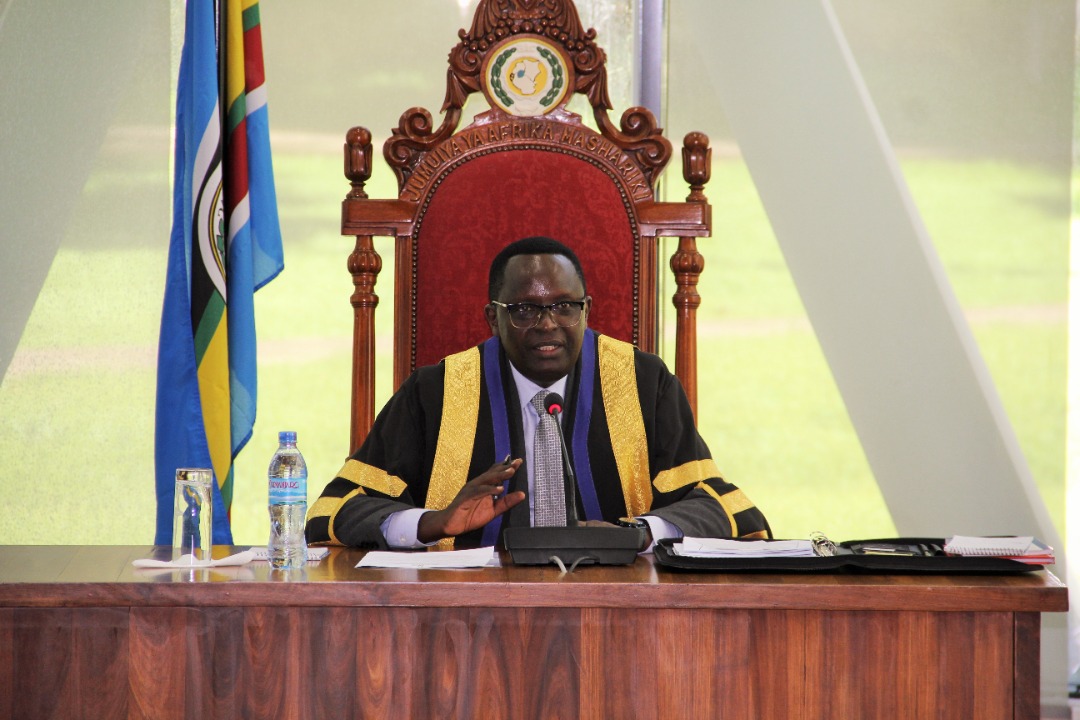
[(539, 133), (528, 58), (550, 24)]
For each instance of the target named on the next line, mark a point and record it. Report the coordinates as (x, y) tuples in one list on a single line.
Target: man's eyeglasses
[(527, 315)]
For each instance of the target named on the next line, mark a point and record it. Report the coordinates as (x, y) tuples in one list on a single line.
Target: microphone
[(553, 406), (571, 545)]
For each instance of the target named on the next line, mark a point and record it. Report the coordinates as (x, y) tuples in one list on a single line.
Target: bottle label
[(288, 477), (288, 490)]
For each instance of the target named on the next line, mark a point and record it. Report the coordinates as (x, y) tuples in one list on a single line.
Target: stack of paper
[(474, 558), (714, 547), (1024, 548)]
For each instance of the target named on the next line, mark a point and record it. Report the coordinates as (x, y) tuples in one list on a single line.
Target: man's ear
[(492, 317)]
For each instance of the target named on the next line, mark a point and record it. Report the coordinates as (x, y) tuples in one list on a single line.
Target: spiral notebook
[(1023, 548)]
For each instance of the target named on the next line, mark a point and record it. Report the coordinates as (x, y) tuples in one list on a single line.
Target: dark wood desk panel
[(84, 633), (100, 576)]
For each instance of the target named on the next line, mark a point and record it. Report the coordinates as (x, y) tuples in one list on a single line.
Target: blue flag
[(225, 243)]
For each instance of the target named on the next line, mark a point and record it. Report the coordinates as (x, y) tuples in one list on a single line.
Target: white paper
[(186, 561), (715, 547), (475, 558)]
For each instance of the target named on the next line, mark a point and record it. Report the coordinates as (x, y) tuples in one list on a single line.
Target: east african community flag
[(225, 244)]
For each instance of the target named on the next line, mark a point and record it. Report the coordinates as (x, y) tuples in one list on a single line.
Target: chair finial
[(697, 164), (358, 160)]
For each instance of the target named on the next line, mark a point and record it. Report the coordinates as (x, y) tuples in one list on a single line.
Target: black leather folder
[(888, 555)]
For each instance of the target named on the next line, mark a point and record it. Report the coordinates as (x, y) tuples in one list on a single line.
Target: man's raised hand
[(478, 502)]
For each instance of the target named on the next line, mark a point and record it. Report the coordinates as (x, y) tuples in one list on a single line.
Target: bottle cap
[(287, 436)]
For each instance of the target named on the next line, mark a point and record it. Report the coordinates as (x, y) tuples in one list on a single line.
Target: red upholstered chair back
[(495, 199), (525, 167)]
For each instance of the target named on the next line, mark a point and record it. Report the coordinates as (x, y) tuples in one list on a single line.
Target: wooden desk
[(84, 634)]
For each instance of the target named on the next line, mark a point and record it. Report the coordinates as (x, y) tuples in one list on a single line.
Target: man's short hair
[(538, 245)]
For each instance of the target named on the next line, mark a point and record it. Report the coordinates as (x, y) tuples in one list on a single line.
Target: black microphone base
[(573, 545)]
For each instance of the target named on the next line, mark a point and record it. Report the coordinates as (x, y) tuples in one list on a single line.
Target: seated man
[(629, 431)]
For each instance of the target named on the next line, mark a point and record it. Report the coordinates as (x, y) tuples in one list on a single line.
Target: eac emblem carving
[(526, 76)]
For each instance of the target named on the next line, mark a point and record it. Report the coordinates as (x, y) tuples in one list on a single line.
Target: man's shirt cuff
[(400, 529), (660, 529)]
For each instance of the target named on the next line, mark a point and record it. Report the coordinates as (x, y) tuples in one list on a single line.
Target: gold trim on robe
[(372, 478), (618, 385), (733, 502), (457, 431), (362, 475), (694, 471), (328, 507), (323, 507)]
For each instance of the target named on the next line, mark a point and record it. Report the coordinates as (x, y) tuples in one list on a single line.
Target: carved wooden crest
[(528, 58), (554, 21)]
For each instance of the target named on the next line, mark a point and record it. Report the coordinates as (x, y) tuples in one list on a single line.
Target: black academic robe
[(629, 431)]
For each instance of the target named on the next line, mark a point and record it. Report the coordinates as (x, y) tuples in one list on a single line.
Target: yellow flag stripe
[(234, 56), (213, 377)]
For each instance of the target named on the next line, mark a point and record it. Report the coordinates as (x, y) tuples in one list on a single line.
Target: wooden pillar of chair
[(687, 264), (404, 317), (364, 266)]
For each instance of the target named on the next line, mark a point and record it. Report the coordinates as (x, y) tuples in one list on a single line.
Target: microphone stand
[(571, 545), (569, 478)]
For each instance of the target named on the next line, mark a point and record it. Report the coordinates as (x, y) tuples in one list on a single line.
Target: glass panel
[(85, 221), (613, 21), (976, 98), (767, 404)]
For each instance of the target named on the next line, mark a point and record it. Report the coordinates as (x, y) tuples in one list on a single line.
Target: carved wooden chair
[(527, 166)]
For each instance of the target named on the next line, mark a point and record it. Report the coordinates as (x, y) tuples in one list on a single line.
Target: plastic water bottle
[(288, 505)]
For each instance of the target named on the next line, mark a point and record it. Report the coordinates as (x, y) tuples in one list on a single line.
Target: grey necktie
[(549, 508)]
